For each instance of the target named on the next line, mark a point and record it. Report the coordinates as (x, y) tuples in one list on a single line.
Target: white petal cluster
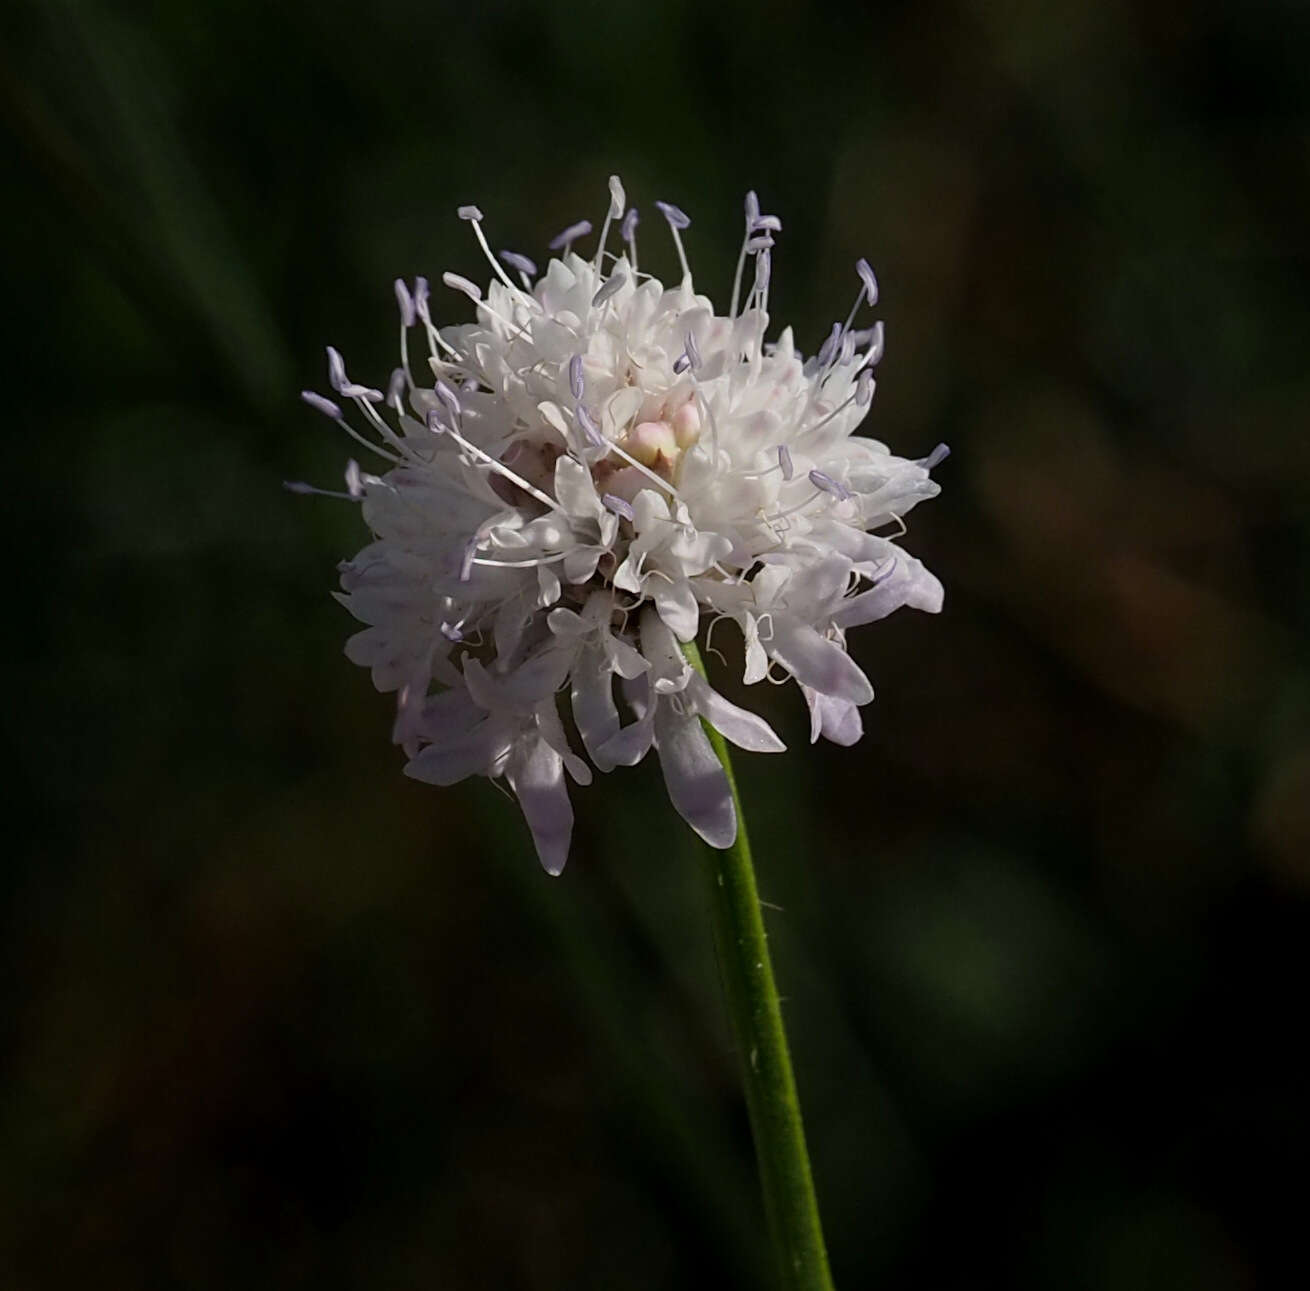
[(580, 478)]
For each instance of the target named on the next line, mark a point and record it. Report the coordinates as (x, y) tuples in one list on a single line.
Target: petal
[(817, 662), (907, 582), (834, 719), (536, 774), (468, 753), (745, 729), (594, 710), (757, 662), (552, 731), (670, 670), (630, 745), (574, 489), (676, 603), (694, 776), (625, 658)]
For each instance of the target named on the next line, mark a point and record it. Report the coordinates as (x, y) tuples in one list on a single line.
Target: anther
[(676, 217), (827, 484), (613, 284), (784, 461), (320, 404), (575, 376), (863, 268), (406, 303), (469, 213), (571, 234), (336, 369), (619, 506), (457, 282), (521, 263)]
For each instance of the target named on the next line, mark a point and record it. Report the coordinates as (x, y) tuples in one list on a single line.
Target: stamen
[(827, 484), (681, 364), (457, 282), (320, 404), (569, 235), (470, 554), (353, 390), (309, 490), (589, 428), (436, 427), (619, 506), (354, 479), (613, 284), (677, 219), (863, 268), (628, 232), (395, 388), (693, 352), (474, 216), (935, 458), (575, 376), (448, 397), (784, 461), (406, 303), (336, 369), (618, 200), (521, 263), (875, 346)]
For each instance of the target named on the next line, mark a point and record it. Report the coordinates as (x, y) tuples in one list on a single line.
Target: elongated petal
[(745, 729), (677, 606), (449, 761), (594, 710), (817, 662), (907, 582), (693, 775), (630, 745), (536, 774), (834, 719)]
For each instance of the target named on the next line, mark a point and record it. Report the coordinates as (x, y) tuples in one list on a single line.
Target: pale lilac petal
[(594, 711), (817, 662), (630, 745), (676, 603), (537, 778), (449, 761), (834, 719), (906, 582), (743, 728), (694, 776)]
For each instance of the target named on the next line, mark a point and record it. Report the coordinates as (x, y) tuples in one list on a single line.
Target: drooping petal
[(448, 761), (536, 774), (677, 606), (817, 662), (594, 710), (743, 728), (694, 776)]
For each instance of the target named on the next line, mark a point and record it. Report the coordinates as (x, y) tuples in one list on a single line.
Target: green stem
[(753, 1006)]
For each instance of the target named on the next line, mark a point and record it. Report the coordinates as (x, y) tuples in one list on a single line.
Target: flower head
[(581, 476)]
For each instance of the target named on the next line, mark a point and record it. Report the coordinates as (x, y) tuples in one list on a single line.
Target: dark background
[(275, 1016)]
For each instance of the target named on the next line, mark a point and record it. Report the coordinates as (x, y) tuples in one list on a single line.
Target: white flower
[(580, 476)]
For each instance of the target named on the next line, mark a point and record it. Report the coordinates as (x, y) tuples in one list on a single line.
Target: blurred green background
[(275, 1016)]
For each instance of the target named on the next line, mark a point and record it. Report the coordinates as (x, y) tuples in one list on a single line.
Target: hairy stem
[(756, 1016)]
